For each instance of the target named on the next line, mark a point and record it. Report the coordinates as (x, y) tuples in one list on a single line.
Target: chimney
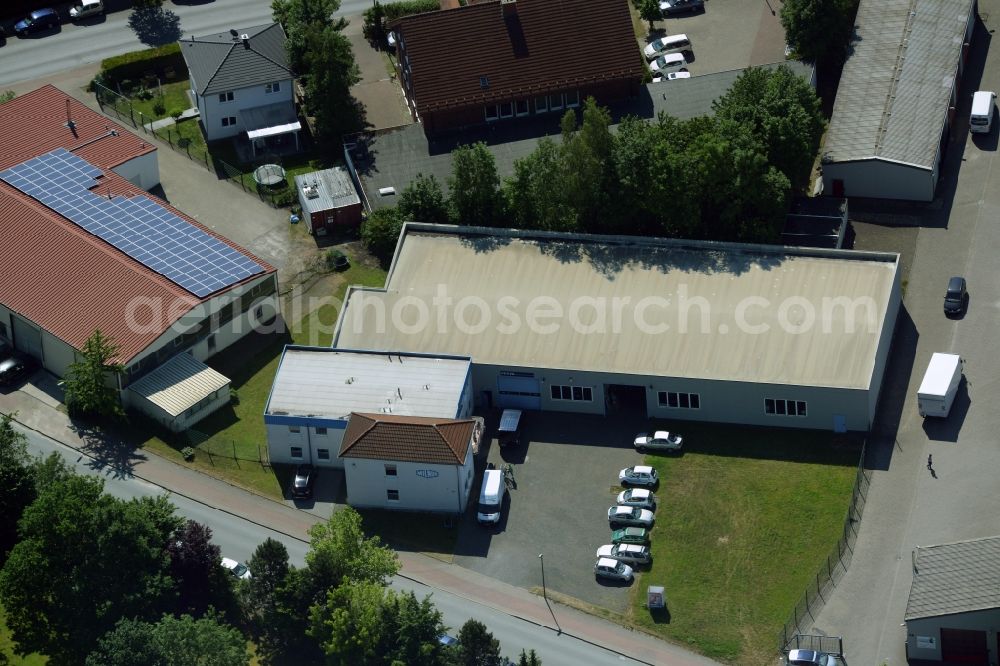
[(245, 38), (508, 8), (69, 119)]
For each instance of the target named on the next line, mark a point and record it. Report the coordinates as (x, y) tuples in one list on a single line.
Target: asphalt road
[(75, 45), (237, 539)]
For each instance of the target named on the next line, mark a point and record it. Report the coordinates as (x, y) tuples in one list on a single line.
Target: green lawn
[(241, 426), (7, 648), (746, 518), (174, 97)]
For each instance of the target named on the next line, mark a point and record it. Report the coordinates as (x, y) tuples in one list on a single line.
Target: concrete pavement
[(38, 412)]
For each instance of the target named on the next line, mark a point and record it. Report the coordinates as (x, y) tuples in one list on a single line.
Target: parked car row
[(630, 520), (47, 18)]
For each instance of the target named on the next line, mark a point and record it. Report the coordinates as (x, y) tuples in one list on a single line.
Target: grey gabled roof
[(896, 86), (224, 62), (955, 578)]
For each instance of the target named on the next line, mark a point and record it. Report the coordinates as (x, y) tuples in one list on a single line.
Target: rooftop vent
[(246, 39), (310, 191), (234, 33)]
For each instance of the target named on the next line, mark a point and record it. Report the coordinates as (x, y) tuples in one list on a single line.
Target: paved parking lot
[(731, 34), (566, 469)]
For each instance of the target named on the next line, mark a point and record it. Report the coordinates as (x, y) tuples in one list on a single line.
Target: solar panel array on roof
[(137, 226)]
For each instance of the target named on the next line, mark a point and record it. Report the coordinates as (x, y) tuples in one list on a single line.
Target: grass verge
[(747, 516), (425, 533), (7, 648), (174, 97)]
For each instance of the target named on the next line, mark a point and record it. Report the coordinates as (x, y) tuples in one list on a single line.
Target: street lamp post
[(545, 594)]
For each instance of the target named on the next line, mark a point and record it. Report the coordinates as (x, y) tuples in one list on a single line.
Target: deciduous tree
[(474, 187), (380, 232), (819, 31), (476, 645), (173, 641), (194, 565), (88, 384), (423, 201), (17, 484)]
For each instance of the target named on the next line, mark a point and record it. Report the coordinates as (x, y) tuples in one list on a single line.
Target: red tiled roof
[(544, 45), (407, 438), (54, 273)]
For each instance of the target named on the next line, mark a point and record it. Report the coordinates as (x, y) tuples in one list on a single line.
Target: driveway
[(558, 509)]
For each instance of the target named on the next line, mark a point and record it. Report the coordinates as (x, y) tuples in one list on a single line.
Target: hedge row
[(138, 63), (395, 10)]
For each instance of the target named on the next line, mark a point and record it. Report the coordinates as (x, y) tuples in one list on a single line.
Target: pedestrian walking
[(930, 462)]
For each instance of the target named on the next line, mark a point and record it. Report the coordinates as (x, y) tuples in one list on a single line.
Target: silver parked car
[(630, 553), (613, 569), (810, 658), (630, 515), (661, 440), (639, 475), (640, 497), (670, 62)]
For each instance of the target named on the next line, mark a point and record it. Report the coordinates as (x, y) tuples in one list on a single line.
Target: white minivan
[(981, 118), (491, 497)]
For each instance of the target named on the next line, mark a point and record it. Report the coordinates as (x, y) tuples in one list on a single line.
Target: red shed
[(328, 199)]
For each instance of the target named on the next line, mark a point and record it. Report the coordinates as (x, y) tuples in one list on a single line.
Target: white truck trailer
[(940, 384)]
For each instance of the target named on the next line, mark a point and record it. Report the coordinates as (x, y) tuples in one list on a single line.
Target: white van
[(981, 118), (667, 44), (491, 497)]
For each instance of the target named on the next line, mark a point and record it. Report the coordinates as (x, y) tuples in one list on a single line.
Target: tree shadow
[(155, 26), (109, 449)]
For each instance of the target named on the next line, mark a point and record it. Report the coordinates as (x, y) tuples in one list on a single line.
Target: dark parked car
[(302, 486), (670, 7), (15, 367), (37, 21), (954, 299)]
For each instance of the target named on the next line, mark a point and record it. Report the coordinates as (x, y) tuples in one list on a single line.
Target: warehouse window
[(392, 495), (323, 454), (297, 452), (780, 407), (272, 88), (572, 393), (294, 429), (673, 399), (521, 107), (390, 470), (320, 431), (229, 121)]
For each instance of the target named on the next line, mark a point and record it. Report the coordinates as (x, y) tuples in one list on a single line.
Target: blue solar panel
[(139, 227)]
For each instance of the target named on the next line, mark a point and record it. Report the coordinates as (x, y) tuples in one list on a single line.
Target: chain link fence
[(121, 107), (835, 566)]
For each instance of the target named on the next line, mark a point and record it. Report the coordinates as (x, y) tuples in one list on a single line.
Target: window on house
[(676, 400), (541, 104), (229, 121), (226, 97), (294, 429), (272, 87), (323, 454), (555, 102), (297, 452), (320, 431), (782, 407), (492, 112), (507, 110), (392, 495), (572, 393), (572, 99), (521, 107), (390, 470)]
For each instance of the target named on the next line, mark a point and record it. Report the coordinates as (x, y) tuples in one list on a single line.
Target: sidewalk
[(37, 411)]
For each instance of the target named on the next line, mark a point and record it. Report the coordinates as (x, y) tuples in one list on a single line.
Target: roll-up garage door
[(27, 337), (519, 391), (962, 646)]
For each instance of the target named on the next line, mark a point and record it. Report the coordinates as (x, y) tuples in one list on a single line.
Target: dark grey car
[(302, 485), (954, 299)]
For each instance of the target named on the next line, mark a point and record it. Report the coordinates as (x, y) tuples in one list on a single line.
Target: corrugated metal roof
[(955, 578), (55, 273), (541, 46), (334, 189), (332, 383), (672, 277), (223, 62), (895, 90), (179, 383), (407, 438)]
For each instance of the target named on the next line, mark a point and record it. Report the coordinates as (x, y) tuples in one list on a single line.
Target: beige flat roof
[(753, 313)]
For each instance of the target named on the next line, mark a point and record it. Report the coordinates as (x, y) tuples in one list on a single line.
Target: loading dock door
[(27, 338), (521, 391), (962, 646)]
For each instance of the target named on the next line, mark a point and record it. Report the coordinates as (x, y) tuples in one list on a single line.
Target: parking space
[(730, 34), (566, 474)]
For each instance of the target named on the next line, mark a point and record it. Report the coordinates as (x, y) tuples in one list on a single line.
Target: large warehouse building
[(897, 97), (680, 329), (953, 612), (86, 248)]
